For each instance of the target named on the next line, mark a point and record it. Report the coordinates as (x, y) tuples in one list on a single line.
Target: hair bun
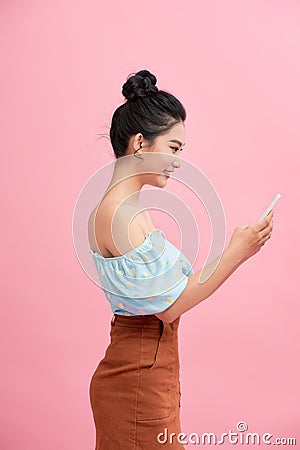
[(141, 84)]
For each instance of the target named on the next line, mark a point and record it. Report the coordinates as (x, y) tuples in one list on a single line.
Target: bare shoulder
[(115, 230)]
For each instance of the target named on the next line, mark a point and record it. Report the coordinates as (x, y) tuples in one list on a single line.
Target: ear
[(137, 141)]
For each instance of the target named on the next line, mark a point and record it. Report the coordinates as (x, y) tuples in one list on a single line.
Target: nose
[(176, 163)]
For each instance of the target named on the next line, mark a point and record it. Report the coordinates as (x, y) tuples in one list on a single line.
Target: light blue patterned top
[(145, 280)]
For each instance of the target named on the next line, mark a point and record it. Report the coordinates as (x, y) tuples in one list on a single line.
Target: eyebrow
[(177, 141)]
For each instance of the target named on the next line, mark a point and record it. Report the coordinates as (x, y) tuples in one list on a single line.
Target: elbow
[(170, 320), (165, 316), (161, 316)]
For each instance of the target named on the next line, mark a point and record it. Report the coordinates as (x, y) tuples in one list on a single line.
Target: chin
[(162, 180), (158, 181)]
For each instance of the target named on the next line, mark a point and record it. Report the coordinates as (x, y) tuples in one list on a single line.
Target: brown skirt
[(135, 389)]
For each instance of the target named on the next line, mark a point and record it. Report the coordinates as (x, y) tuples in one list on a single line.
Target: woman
[(135, 390)]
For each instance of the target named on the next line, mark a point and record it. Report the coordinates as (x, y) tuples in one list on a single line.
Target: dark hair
[(148, 110)]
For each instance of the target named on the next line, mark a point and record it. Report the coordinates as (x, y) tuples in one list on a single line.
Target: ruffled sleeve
[(146, 280)]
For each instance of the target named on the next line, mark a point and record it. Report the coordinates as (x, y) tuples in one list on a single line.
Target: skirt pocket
[(156, 374)]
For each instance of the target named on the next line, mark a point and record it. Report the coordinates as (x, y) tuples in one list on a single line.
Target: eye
[(176, 149)]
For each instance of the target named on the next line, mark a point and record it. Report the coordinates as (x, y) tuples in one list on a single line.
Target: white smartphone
[(271, 206)]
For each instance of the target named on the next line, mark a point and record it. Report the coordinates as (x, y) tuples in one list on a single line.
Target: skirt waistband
[(146, 321)]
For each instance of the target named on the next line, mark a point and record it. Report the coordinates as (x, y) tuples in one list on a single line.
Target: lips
[(167, 173)]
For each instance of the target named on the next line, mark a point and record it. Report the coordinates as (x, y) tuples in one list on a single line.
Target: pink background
[(235, 65)]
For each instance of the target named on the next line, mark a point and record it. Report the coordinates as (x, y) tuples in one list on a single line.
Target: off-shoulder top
[(145, 280)]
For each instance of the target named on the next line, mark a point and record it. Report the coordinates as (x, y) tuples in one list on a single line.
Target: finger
[(265, 234), (264, 223), (268, 228)]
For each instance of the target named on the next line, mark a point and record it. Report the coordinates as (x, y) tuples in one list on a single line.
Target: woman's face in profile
[(165, 157)]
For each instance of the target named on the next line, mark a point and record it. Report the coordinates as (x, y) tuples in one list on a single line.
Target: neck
[(125, 183)]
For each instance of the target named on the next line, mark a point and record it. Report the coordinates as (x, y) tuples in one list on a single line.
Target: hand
[(247, 240)]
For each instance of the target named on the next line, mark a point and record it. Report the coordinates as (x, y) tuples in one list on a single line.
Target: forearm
[(195, 292)]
